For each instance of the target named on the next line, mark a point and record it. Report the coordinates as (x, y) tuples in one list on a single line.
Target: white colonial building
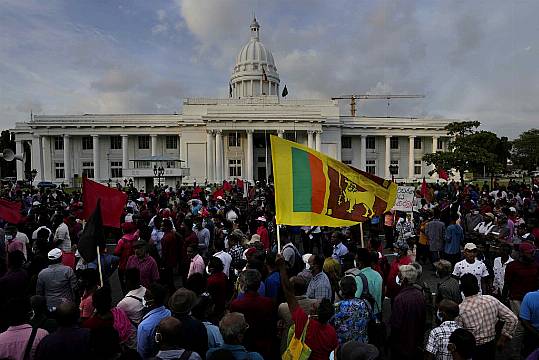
[(217, 139)]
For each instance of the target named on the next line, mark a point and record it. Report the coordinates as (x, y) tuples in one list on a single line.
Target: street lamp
[(393, 170), (159, 172), (31, 175)]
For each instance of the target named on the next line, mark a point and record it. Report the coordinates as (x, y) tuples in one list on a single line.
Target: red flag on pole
[(239, 183), (226, 186), (10, 211), (443, 174), (112, 202), (219, 192)]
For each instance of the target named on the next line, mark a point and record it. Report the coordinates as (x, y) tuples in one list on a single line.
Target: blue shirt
[(529, 309), (146, 346), (238, 351), (453, 238), (215, 339), (273, 285)]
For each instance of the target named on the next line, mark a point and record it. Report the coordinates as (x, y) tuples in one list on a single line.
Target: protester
[(448, 286), (168, 338), (57, 282), (133, 302), (471, 265), (438, 341), (479, 314), (155, 300), (145, 264)]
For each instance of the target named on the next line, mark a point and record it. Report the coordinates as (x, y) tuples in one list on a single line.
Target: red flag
[(196, 192), (112, 202), (10, 211), (226, 186), (239, 183), (219, 192), (424, 189), (443, 174)]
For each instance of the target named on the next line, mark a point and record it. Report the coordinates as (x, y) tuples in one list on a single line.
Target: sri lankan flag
[(314, 189)]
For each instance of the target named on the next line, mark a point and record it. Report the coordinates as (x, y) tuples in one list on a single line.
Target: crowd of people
[(197, 274)]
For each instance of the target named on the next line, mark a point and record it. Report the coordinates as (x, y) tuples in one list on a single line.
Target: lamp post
[(393, 170), (31, 175), (159, 172)]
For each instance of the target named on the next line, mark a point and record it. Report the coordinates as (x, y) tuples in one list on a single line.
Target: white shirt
[(226, 258), (477, 269), (133, 307), (62, 234), (34, 234), (499, 272)]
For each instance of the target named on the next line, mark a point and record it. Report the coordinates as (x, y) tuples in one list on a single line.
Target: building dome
[(255, 73)]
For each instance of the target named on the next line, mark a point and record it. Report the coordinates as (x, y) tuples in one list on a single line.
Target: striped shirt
[(319, 287)]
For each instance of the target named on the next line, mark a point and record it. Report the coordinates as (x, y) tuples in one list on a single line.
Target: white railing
[(169, 172)]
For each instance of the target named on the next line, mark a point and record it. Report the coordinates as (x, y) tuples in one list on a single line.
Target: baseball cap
[(54, 254), (512, 209), (470, 247)]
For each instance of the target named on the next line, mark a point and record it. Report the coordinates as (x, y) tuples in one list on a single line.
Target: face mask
[(398, 280), (439, 315)]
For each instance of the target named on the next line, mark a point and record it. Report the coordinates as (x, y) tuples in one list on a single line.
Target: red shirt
[(320, 338), (521, 278), (392, 287), (170, 249), (259, 313), (217, 289), (147, 268), (264, 237)]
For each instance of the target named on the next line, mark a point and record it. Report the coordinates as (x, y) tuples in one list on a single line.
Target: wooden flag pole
[(278, 238), (361, 234), (99, 266)]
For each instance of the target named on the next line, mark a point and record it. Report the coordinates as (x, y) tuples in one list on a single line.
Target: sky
[(472, 59)]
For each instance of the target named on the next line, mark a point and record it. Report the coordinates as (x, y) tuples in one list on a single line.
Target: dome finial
[(255, 28)]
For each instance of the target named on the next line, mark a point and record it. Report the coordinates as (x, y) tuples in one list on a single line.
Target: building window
[(371, 142), (171, 142), (115, 142), (417, 143), (290, 136), (88, 169), (371, 166), (87, 143), (58, 143), (261, 159), (115, 169), (144, 142), (59, 170), (347, 162), (234, 167), (417, 167), (234, 139), (346, 142), (394, 142), (440, 144), (144, 164), (170, 164)]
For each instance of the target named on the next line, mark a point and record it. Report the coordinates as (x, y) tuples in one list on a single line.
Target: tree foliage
[(471, 150), (525, 151)]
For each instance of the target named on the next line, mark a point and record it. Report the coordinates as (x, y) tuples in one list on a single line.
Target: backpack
[(365, 294)]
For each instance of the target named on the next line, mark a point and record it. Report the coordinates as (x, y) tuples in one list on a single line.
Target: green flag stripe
[(301, 180)]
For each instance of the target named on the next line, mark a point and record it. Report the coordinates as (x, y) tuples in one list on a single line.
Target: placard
[(405, 198)]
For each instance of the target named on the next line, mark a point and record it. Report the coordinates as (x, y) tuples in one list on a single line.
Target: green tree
[(525, 150), (471, 150)]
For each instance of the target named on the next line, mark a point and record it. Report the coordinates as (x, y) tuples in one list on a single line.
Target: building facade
[(217, 139)]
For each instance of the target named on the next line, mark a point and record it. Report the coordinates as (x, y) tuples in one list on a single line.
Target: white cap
[(54, 254), (36, 203), (470, 246), (512, 209), (306, 260), (261, 218)]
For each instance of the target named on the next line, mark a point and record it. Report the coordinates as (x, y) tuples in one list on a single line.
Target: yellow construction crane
[(355, 97)]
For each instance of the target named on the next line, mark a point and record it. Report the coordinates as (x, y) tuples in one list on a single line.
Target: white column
[(280, 133), (19, 165), (249, 156), (125, 152), (210, 162), (411, 157), (388, 157), (363, 154), (310, 139), (434, 148), (95, 139), (218, 157), (154, 144), (318, 140), (46, 159), (36, 158), (67, 159)]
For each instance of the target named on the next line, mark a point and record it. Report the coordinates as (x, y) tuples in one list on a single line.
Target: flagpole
[(278, 238), (99, 266), (361, 234)]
